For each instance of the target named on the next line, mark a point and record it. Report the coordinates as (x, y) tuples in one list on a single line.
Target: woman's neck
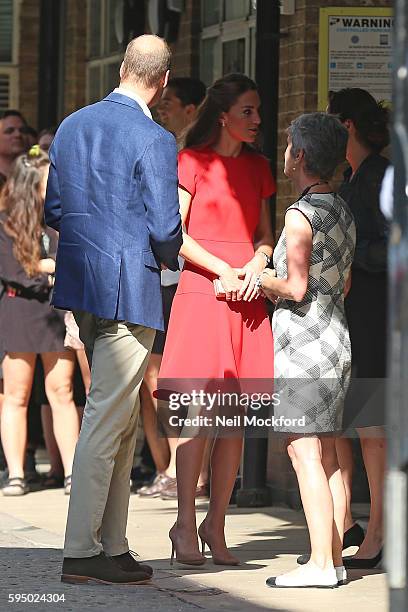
[(316, 184), (356, 154), (227, 146)]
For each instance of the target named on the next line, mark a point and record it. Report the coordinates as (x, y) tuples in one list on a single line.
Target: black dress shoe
[(352, 537), (351, 563), (101, 569), (128, 563), (140, 477)]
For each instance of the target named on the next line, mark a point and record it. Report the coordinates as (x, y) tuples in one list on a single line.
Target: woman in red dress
[(224, 185)]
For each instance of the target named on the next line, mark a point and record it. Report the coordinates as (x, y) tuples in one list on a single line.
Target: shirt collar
[(136, 98)]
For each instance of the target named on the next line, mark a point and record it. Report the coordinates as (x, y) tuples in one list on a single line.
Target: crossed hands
[(240, 283)]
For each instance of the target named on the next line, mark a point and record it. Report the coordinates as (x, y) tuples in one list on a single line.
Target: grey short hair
[(324, 141), (146, 60)]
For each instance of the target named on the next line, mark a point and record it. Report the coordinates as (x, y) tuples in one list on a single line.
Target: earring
[(222, 123)]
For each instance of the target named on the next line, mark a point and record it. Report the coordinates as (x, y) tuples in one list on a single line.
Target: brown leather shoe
[(170, 492), (128, 563), (101, 569), (160, 483)]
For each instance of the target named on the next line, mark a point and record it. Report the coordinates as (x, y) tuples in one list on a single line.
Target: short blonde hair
[(147, 59)]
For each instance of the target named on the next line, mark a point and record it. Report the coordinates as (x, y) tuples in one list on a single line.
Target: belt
[(41, 294)]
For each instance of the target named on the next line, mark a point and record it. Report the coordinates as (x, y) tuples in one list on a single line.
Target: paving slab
[(267, 540)]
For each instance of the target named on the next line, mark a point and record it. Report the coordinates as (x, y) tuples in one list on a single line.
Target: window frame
[(227, 31), (10, 69), (106, 59)]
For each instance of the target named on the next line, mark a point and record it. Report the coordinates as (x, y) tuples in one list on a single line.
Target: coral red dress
[(210, 338)]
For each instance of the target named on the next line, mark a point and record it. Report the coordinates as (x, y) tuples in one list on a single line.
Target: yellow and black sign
[(355, 50)]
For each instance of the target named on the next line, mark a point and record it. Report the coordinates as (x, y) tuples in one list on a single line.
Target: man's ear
[(121, 70), (166, 78), (190, 110)]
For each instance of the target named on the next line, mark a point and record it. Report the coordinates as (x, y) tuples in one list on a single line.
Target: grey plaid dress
[(312, 345)]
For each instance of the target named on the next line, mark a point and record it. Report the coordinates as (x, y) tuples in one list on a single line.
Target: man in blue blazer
[(112, 195)]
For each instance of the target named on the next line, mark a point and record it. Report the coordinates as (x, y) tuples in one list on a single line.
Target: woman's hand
[(266, 288), (270, 296), (231, 283), (249, 274), (46, 266)]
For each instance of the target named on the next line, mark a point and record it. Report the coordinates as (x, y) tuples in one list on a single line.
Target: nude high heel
[(233, 561), (186, 560)]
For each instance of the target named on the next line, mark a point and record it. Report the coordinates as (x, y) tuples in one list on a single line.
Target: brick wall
[(298, 76), (186, 59), (75, 56), (28, 59), (299, 54)]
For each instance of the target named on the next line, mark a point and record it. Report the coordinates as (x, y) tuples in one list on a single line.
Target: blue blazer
[(112, 196)]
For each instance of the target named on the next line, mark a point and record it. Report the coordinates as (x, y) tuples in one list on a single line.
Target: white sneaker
[(341, 574), (309, 575)]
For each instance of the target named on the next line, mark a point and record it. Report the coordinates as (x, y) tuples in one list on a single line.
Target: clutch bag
[(218, 288)]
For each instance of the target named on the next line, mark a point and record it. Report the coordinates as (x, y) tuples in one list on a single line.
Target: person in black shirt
[(366, 304)]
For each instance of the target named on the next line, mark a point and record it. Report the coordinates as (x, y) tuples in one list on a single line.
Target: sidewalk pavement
[(267, 540)]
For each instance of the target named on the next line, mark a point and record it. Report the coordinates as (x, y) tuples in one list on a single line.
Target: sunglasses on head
[(11, 130)]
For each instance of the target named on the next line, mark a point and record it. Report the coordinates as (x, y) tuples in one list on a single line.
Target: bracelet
[(267, 258), (268, 272), (258, 283)]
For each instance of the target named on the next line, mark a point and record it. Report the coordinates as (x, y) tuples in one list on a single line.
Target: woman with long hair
[(28, 325), (366, 121), (224, 189)]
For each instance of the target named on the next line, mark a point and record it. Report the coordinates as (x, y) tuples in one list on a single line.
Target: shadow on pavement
[(35, 573)]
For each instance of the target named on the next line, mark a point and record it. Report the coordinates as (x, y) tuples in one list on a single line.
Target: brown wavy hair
[(224, 93), (24, 205)]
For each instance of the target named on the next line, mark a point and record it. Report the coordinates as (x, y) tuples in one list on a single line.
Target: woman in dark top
[(366, 305), (28, 325)]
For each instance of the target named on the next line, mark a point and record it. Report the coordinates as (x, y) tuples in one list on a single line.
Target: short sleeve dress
[(210, 338), (28, 324), (312, 345)]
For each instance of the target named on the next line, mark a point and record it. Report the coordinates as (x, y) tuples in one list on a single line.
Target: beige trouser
[(98, 508)]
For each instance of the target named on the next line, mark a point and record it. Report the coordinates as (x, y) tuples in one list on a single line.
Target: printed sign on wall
[(355, 50)]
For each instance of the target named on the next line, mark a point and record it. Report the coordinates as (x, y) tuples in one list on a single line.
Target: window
[(6, 31), (233, 55), (105, 46), (236, 9), (9, 15), (227, 38)]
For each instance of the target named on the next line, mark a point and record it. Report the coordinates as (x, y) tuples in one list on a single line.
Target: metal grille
[(6, 31), (4, 91)]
